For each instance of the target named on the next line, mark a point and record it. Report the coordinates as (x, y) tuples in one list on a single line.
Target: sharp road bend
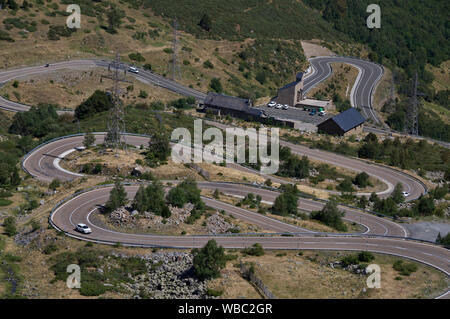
[(369, 74), (378, 234)]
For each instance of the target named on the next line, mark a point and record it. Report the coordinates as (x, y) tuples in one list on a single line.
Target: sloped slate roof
[(226, 101), (348, 119)]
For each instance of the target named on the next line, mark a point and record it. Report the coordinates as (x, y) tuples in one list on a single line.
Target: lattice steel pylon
[(412, 114), (174, 67), (116, 124)]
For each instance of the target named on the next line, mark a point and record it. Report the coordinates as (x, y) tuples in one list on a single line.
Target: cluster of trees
[(98, 102), (55, 32), (209, 260), (291, 165), (430, 123), (330, 216), (151, 199), (183, 103), (400, 39), (407, 155), (158, 149), (185, 192), (286, 203), (250, 200), (37, 122), (423, 206), (354, 259)]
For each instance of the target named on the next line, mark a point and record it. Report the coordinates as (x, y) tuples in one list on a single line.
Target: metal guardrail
[(238, 183), (290, 234)]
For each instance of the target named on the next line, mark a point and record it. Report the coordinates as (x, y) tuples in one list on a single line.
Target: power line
[(173, 64), (116, 123), (412, 119)]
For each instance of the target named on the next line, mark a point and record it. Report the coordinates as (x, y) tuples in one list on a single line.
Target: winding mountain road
[(379, 235), (361, 95)]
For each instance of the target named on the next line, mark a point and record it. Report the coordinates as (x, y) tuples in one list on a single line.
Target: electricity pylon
[(173, 65), (116, 124)]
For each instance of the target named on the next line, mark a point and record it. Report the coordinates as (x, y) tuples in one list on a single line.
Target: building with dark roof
[(345, 123), (292, 93), (221, 104)]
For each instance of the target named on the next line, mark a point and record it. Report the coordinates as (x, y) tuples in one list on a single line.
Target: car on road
[(278, 106), (322, 113), (47, 65), (406, 194), (285, 107), (133, 69), (271, 103), (83, 228), (313, 112)]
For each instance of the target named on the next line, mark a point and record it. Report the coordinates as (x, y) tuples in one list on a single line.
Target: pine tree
[(140, 200), (397, 194), (89, 140), (439, 238), (13, 5), (205, 22), (117, 198)]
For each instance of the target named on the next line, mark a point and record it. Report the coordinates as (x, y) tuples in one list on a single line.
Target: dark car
[(313, 112)]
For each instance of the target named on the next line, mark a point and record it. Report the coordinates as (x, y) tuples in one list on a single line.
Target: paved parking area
[(294, 113)]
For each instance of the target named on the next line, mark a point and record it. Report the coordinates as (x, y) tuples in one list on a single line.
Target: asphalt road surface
[(43, 164), (362, 91)]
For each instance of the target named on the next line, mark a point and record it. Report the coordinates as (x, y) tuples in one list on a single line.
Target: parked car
[(322, 113), (406, 194), (133, 69), (285, 107), (83, 228), (278, 106), (47, 65), (271, 103), (313, 112)]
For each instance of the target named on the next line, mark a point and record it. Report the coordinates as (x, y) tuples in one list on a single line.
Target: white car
[(82, 228), (278, 106), (322, 113), (406, 194), (285, 107), (133, 69), (271, 103)]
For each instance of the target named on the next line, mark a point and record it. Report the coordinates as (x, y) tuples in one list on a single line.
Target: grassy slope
[(93, 41)]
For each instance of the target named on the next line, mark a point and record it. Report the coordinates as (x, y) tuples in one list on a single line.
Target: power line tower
[(173, 64), (116, 123), (412, 119)]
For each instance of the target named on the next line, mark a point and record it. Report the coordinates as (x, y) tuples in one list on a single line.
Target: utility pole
[(116, 124), (413, 110), (173, 65)]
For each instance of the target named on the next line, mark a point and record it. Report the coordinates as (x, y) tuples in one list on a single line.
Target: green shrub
[(403, 268), (50, 248), (92, 289), (136, 57), (255, 250), (214, 293)]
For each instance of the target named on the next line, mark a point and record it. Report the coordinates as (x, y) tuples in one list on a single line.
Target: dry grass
[(92, 41), (383, 92), (313, 49), (441, 75), (294, 276), (343, 78), (69, 89)]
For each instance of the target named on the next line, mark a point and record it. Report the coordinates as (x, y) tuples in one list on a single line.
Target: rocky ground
[(169, 276), (126, 217)]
